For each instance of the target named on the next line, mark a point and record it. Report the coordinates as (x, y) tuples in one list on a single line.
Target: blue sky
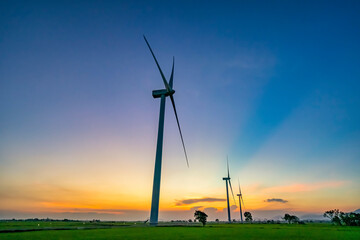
[(273, 84)]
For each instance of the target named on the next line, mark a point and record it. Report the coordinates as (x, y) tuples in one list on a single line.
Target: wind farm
[(134, 119)]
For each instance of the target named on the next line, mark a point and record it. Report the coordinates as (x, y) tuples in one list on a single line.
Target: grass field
[(103, 230)]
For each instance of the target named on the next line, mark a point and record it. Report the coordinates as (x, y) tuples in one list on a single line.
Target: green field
[(103, 230)]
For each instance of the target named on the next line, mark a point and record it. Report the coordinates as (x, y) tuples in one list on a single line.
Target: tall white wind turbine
[(162, 93)]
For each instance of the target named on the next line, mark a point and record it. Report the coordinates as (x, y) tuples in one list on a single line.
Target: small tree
[(248, 217), (350, 219), (201, 217), (334, 216), (295, 219), (290, 218), (217, 220), (287, 217)]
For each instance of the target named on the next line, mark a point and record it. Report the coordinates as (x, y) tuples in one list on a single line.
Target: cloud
[(280, 200), (211, 209), (196, 208), (196, 200), (232, 208)]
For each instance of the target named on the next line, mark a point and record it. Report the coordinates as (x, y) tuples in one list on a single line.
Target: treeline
[(340, 218)]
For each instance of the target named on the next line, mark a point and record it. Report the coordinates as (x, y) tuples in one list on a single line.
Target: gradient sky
[(272, 84)]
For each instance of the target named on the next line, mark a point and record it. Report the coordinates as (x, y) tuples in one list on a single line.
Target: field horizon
[(83, 216)]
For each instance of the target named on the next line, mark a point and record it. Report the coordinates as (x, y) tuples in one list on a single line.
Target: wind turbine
[(228, 182), (240, 200), (162, 93)]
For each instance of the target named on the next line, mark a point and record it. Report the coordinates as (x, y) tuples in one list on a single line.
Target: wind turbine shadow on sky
[(162, 93), (228, 182)]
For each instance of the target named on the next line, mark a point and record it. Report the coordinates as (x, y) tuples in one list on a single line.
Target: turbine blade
[(232, 192), (172, 74), (241, 193), (242, 201), (227, 161), (177, 120), (162, 74)]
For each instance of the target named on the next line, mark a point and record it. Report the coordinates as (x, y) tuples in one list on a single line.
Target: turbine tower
[(228, 182), (162, 93), (240, 200)]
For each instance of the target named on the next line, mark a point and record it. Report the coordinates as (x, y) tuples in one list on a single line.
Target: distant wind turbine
[(228, 182), (240, 200), (162, 93)]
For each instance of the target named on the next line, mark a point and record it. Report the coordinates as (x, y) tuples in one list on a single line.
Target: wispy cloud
[(197, 200), (280, 200), (196, 208)]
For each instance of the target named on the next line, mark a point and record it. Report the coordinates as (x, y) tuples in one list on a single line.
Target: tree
[(201, 216), (291, 218), (334, 216), (350, 219), (248, 217), (217, 220), (287, 217), (295, 219)]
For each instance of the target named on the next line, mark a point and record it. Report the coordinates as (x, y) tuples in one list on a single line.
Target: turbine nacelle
[(160, 92), (226, 178)]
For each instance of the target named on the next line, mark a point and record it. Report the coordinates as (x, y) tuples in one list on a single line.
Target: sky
[(273, 85)]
